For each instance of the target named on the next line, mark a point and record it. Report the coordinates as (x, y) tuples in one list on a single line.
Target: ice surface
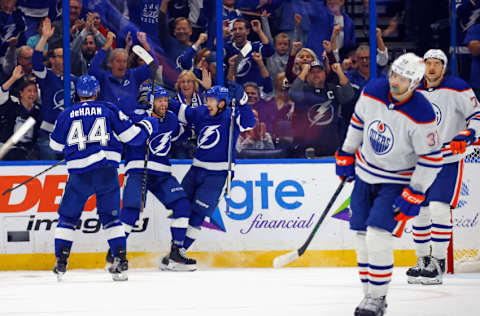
[(227, 292)]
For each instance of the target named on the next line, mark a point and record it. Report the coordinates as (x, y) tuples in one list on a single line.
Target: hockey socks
[(194, 226), (182, 209), (375, 260)]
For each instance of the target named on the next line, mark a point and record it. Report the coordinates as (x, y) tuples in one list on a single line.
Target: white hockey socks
[(441, 228), (380, 260), (421, 226), (362, 259)]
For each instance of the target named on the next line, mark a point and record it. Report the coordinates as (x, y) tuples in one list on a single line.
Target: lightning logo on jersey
[(209, 137), (381, 137), (321, 114), (160, 144)]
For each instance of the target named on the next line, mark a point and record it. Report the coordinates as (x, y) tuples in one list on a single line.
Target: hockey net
[(464, 250)]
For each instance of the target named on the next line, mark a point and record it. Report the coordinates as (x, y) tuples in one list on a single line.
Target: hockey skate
[(119, 266), (433, 273), (413, 274), (61, 264), (177, 260), (371, 306), (108, 260)]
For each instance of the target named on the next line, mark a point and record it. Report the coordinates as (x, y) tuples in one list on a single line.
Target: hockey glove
[(345, 165), (149, 124), (407, 205), (463, 139), (237, 92)]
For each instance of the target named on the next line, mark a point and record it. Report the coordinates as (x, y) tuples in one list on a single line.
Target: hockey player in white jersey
[(458, 120), (392, 151)]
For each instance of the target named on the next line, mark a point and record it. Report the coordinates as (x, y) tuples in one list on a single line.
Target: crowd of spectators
[(299, 61)]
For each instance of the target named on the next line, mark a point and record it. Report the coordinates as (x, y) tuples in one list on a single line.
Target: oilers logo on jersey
[(160, 144), (381, 137), (438, 113), (209, 137), (321, 114)]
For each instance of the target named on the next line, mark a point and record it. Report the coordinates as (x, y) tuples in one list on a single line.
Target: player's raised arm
[(185, 113)]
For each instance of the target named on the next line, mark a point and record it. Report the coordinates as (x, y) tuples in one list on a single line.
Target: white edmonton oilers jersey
[(455, 105), (394, 142)]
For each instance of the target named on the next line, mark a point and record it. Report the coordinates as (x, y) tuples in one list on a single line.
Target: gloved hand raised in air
[(407, 205), (237, 92), (463, 139), (345, 165)]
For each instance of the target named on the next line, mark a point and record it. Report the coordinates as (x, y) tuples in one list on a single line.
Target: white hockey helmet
[(411, 67), (437, 54)]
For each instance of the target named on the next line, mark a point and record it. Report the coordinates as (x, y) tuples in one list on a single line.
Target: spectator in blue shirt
[(323, 19), (121, 85), (472, 39), (176, 45), (247, 68)]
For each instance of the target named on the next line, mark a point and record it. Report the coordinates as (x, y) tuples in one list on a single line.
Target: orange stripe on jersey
[(458, 186), (356, 121), (372, 97), (431, 158), (357, 153)]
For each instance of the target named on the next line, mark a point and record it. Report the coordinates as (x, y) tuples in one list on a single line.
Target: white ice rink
[(227, 292)]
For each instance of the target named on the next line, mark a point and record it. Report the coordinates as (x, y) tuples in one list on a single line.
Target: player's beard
[(434, 80)]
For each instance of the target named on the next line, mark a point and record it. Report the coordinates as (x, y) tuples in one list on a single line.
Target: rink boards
[(275, 205)]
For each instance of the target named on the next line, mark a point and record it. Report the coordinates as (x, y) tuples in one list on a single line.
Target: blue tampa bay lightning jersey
[(169, 130), (212, 132), (90, 135), (52, 94), (394, 142)]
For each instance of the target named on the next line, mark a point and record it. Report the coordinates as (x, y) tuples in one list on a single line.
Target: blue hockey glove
[(463, 139), (407, 205), (345, 165), (237, 92)]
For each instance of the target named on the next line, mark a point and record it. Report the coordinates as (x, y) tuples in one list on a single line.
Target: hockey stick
[(148, 59), (230, 158), (33, 177), (285, 259), (17, 136)]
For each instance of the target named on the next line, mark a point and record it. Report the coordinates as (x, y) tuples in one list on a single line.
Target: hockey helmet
[(437, 54), (411, 67), (158, 92), (220, 93), (87, 86)]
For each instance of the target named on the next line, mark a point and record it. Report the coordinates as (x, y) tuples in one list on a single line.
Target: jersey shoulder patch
[(455, 83), (418, 109), (378, 89)]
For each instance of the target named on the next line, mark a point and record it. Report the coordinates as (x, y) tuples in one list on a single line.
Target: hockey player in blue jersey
[(206, 178), (90, 134), (160, 181), (392, 151), (458, 119)]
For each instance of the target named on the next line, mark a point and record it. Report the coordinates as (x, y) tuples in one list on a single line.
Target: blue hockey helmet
[(220, 93), (158, 92), (87, 86)]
